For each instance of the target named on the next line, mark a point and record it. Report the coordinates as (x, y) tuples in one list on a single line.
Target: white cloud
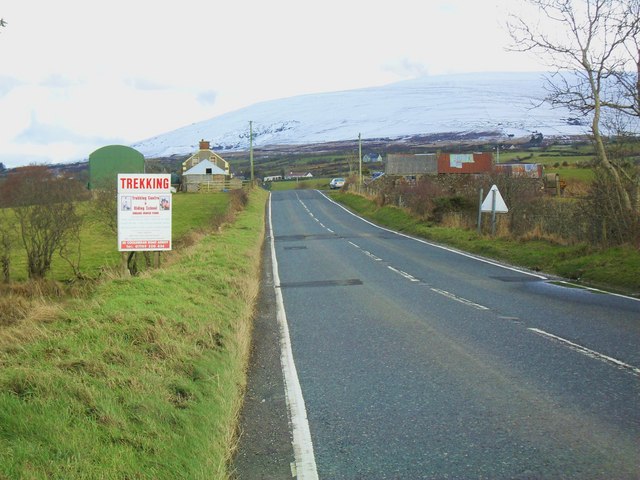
[(406, 68), (208, 97)]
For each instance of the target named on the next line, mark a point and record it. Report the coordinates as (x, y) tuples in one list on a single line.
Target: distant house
[(372, 157), (207, 176), (206, 171), (272, 178), (298, 175), (205, 153)]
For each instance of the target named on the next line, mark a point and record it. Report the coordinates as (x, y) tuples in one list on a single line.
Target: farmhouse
[(206, 171), (205, 153)]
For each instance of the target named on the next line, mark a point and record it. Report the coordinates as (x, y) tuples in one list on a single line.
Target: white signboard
[(488, 204), (144, 212)]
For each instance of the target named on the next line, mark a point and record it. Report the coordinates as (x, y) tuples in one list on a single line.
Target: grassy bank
[(144, 379), (616, 268)]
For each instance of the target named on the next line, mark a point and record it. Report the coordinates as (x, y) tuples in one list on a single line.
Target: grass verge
[(144, 380), (617, 269)]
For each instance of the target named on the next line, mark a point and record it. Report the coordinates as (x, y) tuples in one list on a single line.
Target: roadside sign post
[(493, 203), (480, 211), (144, 212)]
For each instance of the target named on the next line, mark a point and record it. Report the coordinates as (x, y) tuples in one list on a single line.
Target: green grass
[(616, 268), (99, 246), (573, 174), (312, 183), (144, 379)]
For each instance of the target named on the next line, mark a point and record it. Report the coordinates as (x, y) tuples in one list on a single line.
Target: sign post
[(144, 212), (493, 203)]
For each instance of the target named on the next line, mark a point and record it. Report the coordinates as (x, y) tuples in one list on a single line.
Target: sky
[(76, 75)]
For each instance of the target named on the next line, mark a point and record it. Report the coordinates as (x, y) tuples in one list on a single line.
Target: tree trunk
[(637, 99), (601, 152)]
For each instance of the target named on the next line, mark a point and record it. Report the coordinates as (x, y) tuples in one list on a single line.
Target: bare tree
[(628, 81), (7, 240), (587, 43), (104, 207), (46, 213)]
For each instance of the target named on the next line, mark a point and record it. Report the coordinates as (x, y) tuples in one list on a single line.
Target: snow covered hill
[(491, 105)]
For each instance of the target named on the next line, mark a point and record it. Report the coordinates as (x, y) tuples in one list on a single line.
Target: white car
[(336, 183)]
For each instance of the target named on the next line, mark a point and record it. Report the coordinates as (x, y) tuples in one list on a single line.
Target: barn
[(107, 162)]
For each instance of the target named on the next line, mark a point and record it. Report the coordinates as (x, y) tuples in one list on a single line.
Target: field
[(99, 246), (573, 163), (144, 378)]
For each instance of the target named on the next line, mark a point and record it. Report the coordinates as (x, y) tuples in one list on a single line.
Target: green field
[(312, 183), (144, 379), (560, 154), (99, 246)]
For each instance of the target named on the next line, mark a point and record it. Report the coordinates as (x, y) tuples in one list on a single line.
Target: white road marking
[(305, 461), (591, 289), (354, 245), (464, 301), (372, 256), (587, 351), (406, 275)]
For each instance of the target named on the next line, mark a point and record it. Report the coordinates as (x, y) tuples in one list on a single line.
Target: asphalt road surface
[(416, 361)]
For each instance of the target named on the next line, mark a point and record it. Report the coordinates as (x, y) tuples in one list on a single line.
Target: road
[(416, 361)]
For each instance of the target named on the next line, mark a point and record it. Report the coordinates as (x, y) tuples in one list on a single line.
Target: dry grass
[(538, 233)]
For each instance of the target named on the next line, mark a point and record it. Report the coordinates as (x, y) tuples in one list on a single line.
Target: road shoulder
[(265, 450)]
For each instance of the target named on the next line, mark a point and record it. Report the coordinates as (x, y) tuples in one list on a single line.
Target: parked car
[(336, 183)]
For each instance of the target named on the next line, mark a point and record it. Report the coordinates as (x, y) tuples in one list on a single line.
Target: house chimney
[(204, 145)]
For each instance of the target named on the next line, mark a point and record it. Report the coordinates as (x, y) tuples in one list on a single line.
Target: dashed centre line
[(406, 275), (464, 301), (402, 273)]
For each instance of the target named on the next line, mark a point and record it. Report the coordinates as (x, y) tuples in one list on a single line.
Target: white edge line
[(448, 249), (302, 444), (597, 290), (587, 351)]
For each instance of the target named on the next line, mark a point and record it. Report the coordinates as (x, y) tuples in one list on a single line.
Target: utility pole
[(360, 160), (251, 147)]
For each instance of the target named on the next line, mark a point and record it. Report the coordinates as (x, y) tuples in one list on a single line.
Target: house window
[(208, 171)]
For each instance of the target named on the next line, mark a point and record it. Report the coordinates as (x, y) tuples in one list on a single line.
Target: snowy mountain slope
[(490, 104)]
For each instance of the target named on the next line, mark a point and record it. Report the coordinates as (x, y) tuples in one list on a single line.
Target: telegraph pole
[(251, 147)]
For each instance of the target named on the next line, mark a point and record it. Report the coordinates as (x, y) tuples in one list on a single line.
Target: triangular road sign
[(500, 206)]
